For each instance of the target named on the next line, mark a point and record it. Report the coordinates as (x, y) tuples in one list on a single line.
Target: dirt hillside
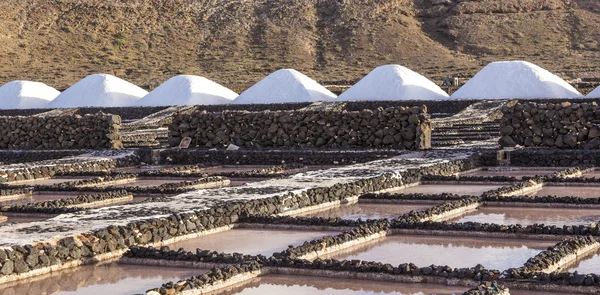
[(237, 42)]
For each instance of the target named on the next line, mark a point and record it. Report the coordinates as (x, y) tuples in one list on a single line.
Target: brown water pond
[(453, 251), (473, 190), (50, 181), (251, 241), (304, 285), (366, 211), (107, 279), (564, 191), (40, 197), (527, 216)]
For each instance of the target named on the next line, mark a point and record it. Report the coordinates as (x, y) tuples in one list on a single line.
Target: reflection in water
[(568, 191), (50, 181), (302, 285), (474, 190), (366, 211), (104, 279), (458, 252), (586, 266), (251, 241), (527, 216)]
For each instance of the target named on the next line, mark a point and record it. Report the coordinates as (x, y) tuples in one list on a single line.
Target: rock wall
[(97, 131), (563, 125), (399, 128)]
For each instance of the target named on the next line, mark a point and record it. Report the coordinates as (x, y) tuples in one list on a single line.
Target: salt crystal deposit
[(393, 82), (99, 90), (595, 93), (188, 90), (515, 79), (26, 95), (285, 86)]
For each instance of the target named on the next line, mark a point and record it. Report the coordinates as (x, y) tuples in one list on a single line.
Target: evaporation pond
[(50, 181), (39, 197), (589, 265), (567, 191), (527, 216), (453, 251), (251, 241), (304, 285), (517, 173), (366, 211), (109, 278), (471, 189)]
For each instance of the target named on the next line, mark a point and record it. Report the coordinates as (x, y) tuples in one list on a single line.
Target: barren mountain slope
[(237, 42)]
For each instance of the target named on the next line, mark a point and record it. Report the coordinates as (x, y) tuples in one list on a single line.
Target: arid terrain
[(237, 42)]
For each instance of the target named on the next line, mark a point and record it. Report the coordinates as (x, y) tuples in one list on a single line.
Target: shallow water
[(304, 285), (527, 216), (587, 265), (50, 181), (251, 241), (474, 190), (459, 252), (511, 173), (38, 198), (366, 211), (568, 191), (24, 218), (105, 279)]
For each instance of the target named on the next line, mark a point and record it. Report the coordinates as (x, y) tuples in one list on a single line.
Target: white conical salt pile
[(595, 93), (99, 90), (188, 90), (285, 86), (26, 95), (393, 82), (515, 79)]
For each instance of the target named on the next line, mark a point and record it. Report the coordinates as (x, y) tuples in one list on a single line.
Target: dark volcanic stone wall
[(401, 128), (563, 125), (96, 131)]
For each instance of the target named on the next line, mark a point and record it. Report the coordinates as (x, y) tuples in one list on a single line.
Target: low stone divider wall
[(96, 185), (251, 157), (26, 156), (562, 253), (98, 131), (199, 171), (441, 211), (488, 288), (48, 168), (67, 205), (563, 125), (411, 197), (399, 128), (553, 158)]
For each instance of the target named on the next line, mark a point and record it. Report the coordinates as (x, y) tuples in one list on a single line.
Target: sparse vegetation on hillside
[(237, 42)]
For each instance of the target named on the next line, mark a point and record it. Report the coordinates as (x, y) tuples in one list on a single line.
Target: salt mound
[(393, 82), (595, 93), (515, 79), (285, 86), (26, 95), (99, 90), (187, 90)]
